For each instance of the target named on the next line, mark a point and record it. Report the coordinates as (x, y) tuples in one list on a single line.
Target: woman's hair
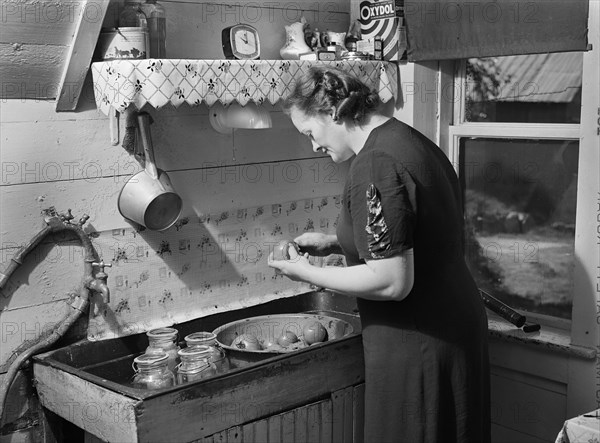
[(332, 91)]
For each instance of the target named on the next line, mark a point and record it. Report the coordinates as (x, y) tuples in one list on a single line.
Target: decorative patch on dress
[(377, 229)]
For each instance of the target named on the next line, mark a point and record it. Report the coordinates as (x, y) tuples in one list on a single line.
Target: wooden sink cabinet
[(314, 394)]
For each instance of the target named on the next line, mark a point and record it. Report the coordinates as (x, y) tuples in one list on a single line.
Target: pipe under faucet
[(90, 283)]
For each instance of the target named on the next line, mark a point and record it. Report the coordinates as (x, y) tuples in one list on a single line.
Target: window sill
[(547, 338)]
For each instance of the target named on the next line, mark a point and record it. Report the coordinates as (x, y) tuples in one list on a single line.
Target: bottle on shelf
[(132, 15), (132, 32), (378, 48), (156, 19)]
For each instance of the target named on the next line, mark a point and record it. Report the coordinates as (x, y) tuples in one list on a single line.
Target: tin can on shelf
[(123, 43), (355, 55)]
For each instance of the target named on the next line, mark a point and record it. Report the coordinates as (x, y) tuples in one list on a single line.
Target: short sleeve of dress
[(383, 217)]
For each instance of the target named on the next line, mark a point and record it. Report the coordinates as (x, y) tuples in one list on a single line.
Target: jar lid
[(199, 351), (200, 337), (150, 359), (162, 333)]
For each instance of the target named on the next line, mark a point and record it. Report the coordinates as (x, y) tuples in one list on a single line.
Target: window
[(515, 141)]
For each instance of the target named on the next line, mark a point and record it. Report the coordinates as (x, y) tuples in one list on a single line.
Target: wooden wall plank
[(34, 22), (301, 424), (261, 430), (274, 428), (65, 150), (327, 420), (287, 426), (358, 413), (527, 408), (21, 325), (281, 427), (235, 434), (30, 71), (337, 404), (500, 434), (55, 267), (203, 191), (204, 20), (248, 432), (527, 359), (349, 414), (61, 151), (313, 422)]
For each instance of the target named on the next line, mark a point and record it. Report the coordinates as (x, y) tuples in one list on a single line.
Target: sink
[(88, 383)]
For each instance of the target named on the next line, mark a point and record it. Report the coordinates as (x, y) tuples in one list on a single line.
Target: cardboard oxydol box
[(381, 18)]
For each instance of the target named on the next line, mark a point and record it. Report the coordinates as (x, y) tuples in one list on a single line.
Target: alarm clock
[(241, 42)]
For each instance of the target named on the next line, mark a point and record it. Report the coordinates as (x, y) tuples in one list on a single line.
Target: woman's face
[(325, 135)]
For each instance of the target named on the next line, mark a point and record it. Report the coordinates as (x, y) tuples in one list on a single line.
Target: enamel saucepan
[(148, 197)]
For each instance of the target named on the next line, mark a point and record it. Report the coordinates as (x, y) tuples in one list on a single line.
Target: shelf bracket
[(80, 53)]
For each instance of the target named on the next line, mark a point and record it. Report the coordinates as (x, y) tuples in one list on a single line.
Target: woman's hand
[(295, 268), (318, 244)]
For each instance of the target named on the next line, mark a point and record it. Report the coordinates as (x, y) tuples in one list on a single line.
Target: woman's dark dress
[(426, 358)]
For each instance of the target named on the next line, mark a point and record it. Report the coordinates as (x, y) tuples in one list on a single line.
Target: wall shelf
[(159, 82)]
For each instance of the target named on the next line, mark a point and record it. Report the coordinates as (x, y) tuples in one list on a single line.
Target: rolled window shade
[(438, 30)]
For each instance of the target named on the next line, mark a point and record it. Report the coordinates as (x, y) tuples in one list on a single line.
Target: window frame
[(459, 128)]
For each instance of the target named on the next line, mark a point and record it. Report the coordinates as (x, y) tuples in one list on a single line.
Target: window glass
[(520, 201), (535, 88)]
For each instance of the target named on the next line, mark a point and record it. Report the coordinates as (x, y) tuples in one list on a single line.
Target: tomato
[(287, 338), (246, 342), (314, 332), (273, 347), (281, 251)]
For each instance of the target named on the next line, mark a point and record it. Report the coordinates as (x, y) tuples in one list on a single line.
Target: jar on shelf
[(132, 15), (164, 340), (217, 353), (195, 364), (152, 372), (156, 18)]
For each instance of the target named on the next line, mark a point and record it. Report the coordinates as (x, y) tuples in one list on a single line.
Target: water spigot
[(99, 283), (67, 217), (83, 220)]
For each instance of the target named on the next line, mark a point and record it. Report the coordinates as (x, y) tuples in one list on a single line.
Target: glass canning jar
[(195, 364), (164, 340), (217, 354), (132, 15), (152, 372), (157, 28)]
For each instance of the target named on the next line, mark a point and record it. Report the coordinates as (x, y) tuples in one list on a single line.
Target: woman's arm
[(384, 279)]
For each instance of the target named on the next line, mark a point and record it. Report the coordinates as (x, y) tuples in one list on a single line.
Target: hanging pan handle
[(144, 125)]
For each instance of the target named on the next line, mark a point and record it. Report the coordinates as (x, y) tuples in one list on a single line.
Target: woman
[(424, 326)]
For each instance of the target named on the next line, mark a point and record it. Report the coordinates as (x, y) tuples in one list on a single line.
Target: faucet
[(98, 283)]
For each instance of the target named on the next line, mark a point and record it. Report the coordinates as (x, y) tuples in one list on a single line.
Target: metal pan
[(148, 198)]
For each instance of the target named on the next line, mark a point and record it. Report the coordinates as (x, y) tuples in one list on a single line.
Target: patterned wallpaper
[(201, 266)]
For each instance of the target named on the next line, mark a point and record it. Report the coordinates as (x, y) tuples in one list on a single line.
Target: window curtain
[(439, 30)]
